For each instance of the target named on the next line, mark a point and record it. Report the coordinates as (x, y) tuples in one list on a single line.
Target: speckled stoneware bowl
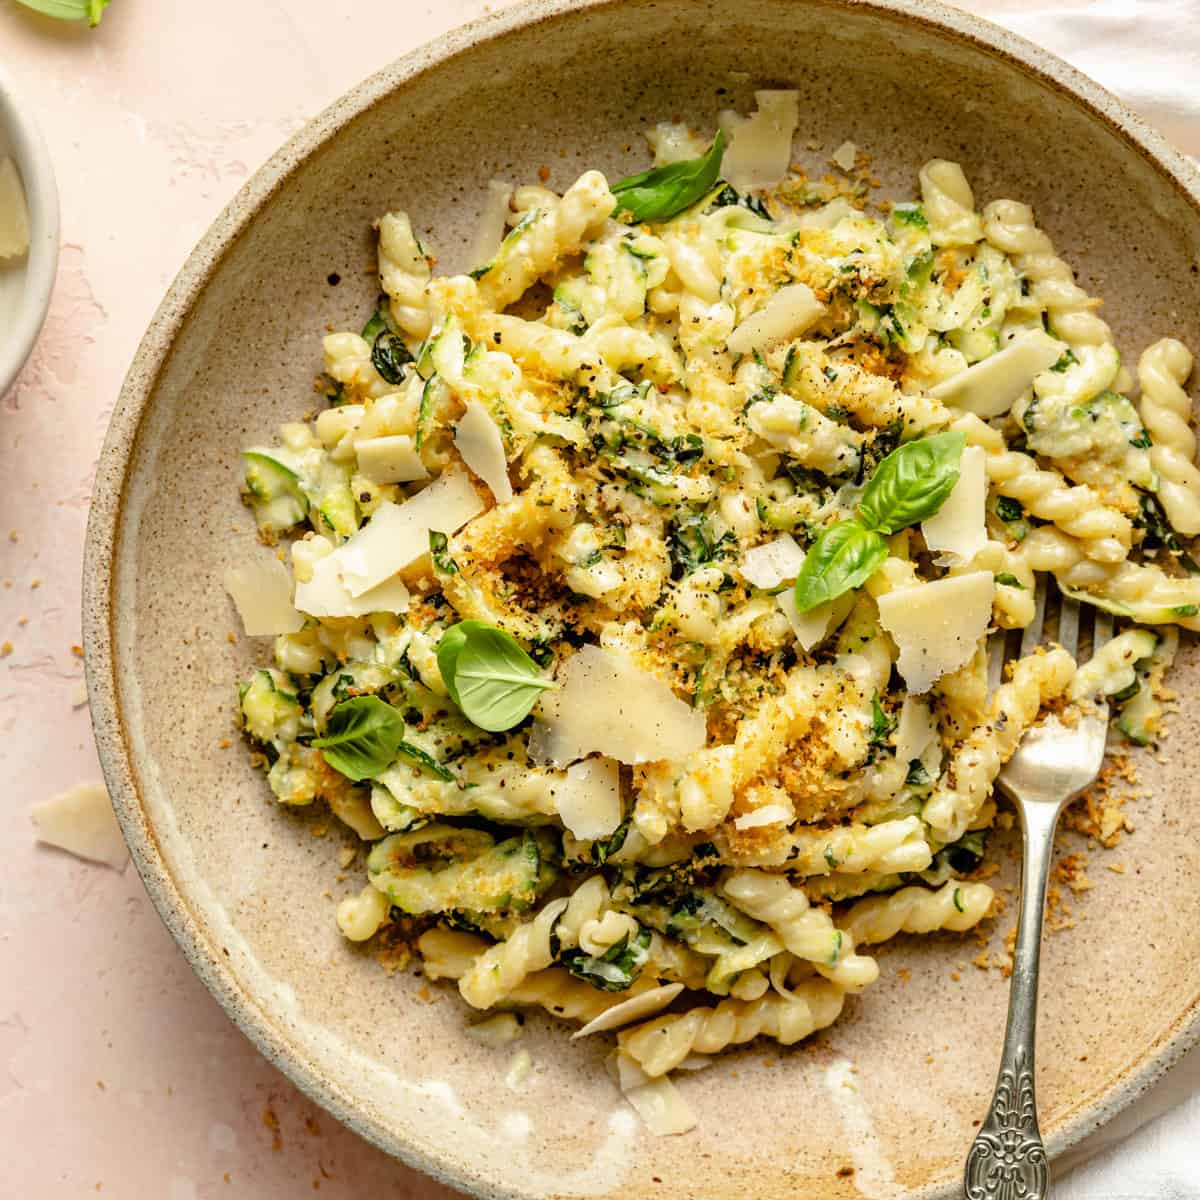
[(233, 351)]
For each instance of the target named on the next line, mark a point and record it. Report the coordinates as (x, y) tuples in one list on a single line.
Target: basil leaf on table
[(661, 192), (70, 10), (844, 556), (362, 737), (491, 679), (912, 483)]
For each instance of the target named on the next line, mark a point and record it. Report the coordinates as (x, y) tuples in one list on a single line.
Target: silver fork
[(1051, 766)]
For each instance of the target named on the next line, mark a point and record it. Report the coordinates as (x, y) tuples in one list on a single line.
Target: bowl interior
[(889, 1095)]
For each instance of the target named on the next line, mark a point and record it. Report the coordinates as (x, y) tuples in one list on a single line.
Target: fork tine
[(1103, 630), (1032, 634), (1068, 627)]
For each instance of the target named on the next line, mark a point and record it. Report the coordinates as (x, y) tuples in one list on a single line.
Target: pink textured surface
[(118, 1073)]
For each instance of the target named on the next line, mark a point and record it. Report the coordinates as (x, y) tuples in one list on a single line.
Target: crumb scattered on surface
[(6, 648), (271, 1121)]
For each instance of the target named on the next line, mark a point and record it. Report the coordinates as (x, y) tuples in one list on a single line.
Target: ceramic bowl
[(26, 284), (565, 84)]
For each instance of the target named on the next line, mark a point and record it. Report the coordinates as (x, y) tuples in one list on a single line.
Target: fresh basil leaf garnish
[(491, 679), (389, 356), (615, 969), (912, 483), (70, 10), (843, 557), (662, 192), (362, 737)]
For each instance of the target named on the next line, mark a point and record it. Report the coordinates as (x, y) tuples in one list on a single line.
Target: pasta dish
[(631, 593)]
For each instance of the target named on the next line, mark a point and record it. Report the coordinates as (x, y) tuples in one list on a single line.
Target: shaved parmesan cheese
[(497, 1031), (768, 814), (589, 798), (916, 731), (518, 1070), (788, 313), (493, 222), (14, 214), (844, 156), (325, 594), (478, 440), (637, 1008), (767, 566), (398, 534), (991, 387), (82, 822), (959, 526), (262, 593), (656, 1101), (390, 459), (607, 703), (673, 143), (809, 627), (937, 626), (760, 145)]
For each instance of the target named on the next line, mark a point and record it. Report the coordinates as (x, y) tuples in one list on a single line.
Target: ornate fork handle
[(1007, 1160)]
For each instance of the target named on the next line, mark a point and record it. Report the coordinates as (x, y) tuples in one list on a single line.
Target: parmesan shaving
[(262, 593), (588, 798), (637, 1008), (760, 145), (518, 1070), (809, 627), (844, 156), (493, 221), (959, 527), (607, 703), (991, 387), (769, 565), (479, 441), (768, 814), (398, 534), (325, 595), (916, 730), (937, 626), (82, 822), (14, 213), (787, 314), (497, 1031), (390, 459), (656, 1101), (673, 142)]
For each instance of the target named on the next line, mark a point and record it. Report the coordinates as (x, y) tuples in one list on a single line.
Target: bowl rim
[(41, 195), (154, 353)]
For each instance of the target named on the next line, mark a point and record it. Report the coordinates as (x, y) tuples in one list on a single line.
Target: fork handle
[(1007, 1158)]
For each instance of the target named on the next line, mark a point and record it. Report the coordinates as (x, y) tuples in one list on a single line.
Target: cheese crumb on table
[(82, 822)]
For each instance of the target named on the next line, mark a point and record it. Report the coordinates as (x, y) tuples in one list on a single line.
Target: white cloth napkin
[(1148, 53)]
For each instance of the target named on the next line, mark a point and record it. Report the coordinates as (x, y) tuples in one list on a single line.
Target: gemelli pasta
[(640, 581)]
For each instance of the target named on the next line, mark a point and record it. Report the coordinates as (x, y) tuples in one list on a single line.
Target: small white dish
[(26, 285)]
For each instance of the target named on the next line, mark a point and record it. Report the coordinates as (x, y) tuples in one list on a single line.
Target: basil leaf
[(912, 483), (389, 356), (70, 10), (362, 737), (491, 679), (453, 640), (661, 192), (614, 970), (843, 557)]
